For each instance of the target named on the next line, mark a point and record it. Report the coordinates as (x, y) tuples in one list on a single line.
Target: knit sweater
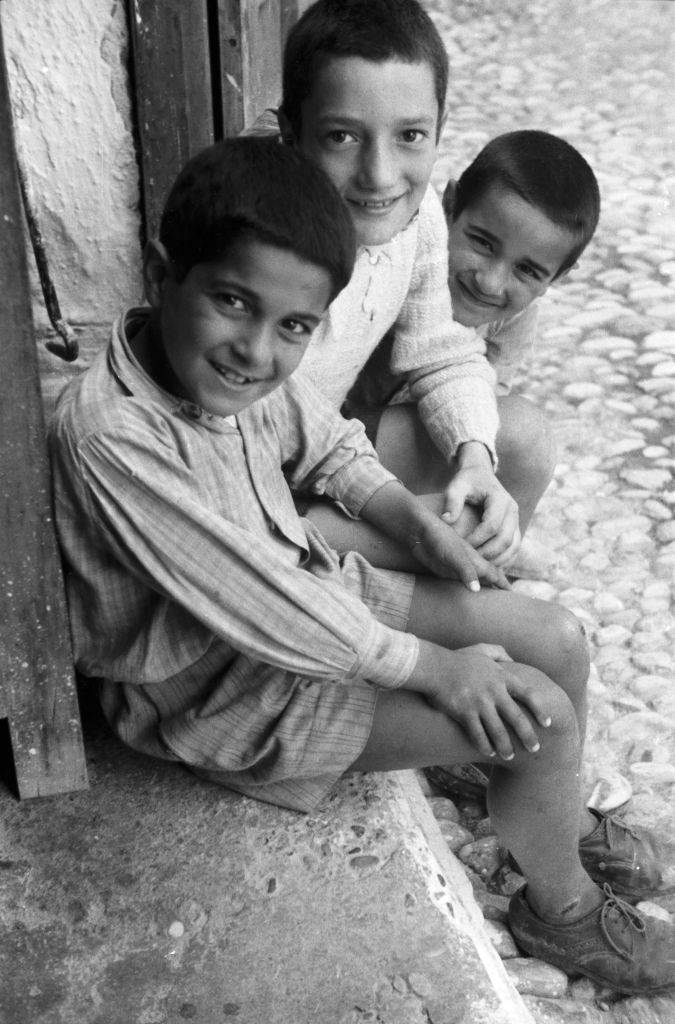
[(403, 284)]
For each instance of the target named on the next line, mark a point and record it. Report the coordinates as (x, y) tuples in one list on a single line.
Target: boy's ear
[(441, 126), (449, 199), (564, 273), (156, 270), (287, 133)]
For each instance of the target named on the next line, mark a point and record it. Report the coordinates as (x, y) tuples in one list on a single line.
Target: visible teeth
[(375, 205), (235, 378)]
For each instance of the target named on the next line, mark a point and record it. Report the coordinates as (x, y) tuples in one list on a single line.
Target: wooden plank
[(172, 82), (36, 673), (249, 39)]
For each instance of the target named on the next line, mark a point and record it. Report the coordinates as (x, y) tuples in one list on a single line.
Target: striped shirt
[(190, 576)]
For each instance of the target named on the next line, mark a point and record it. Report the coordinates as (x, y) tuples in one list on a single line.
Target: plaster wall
[(66, 62)]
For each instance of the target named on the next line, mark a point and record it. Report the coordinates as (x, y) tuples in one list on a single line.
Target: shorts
[(313, 739)]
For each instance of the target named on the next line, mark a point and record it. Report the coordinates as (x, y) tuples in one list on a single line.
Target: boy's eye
[(229, 299), (296, 327), (527, 271), (480, 242), (413, 135), (338, 137)]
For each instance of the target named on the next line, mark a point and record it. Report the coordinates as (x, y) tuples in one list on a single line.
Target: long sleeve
[(447, 370), (180, 545), (510, 344)]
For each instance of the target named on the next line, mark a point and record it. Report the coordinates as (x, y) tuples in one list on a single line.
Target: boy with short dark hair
[(519, 218), (230, 637), (364, 89)]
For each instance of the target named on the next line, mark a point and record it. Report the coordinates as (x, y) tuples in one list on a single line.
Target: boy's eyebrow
[(248, 293), (545, 271), (346, 119)]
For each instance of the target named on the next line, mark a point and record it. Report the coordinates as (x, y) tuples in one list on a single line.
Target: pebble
[(536, 978), (604, 374), (455, 835), (500, 936), (654, 772), (483, 856), (611, 791)]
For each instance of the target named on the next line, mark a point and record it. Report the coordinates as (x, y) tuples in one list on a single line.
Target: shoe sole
[(576, 972)]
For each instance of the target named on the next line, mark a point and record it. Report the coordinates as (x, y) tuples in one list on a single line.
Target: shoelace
[(628, 917)]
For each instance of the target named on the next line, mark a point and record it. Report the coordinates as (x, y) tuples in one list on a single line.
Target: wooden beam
[(37, 685), (172, 81), (249, 40)]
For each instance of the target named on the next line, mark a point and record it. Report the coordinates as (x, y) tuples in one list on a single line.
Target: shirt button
[(191, 410)]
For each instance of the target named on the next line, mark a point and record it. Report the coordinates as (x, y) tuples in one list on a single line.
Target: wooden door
[(203, 70), (37, 685)]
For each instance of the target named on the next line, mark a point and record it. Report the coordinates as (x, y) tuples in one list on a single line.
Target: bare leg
[(525, 453), (540, 634), (533, 800), (526, 463), (537, 633)]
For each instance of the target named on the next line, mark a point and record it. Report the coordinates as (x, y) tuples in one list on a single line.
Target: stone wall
[(66, 62)]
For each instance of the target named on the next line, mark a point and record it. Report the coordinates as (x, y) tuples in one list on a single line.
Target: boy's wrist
[(398, 513), (474, 453)]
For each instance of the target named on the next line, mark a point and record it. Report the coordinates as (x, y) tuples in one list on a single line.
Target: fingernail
[(509, 757), (492, 754), (535, 748), (547, 722), (474, 585)]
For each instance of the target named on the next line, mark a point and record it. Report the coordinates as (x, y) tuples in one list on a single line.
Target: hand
[(476, 688), (497, 535), (439, 548)]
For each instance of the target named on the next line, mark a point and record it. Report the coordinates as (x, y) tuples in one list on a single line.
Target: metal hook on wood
[(68, 349)]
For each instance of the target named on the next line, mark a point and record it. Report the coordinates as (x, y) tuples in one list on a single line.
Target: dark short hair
[(376, 30), (256, 186), (545, 171)]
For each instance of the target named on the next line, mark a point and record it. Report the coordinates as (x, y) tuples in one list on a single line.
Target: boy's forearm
[(398, 513)]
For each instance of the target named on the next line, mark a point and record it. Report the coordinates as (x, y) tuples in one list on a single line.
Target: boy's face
[(372, 128), (503, 253), (234, 329)]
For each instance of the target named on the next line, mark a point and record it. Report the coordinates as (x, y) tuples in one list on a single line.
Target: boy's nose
[(491, 278), (378, 167), (254, 346)]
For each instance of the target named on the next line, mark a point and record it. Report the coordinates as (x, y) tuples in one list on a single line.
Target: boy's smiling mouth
[(375, 204), (232, 376)]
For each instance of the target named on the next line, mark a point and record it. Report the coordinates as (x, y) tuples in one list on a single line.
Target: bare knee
[(525, 444), (560, 742), (563, 636)]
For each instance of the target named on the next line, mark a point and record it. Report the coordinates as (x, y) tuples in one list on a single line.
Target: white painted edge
[(430, 851)]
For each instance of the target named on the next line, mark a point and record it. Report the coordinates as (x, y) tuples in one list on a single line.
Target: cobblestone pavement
[(600, 74)]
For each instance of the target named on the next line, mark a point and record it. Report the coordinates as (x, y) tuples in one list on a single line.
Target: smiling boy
[(519, 218), (364, 89)]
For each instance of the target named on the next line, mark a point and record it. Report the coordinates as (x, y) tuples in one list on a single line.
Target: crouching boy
[(231, 638)]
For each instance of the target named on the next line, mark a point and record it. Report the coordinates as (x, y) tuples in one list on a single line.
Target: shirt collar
[(134, 379)]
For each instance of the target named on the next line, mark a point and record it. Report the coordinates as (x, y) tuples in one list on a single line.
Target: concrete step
[(156, 898)]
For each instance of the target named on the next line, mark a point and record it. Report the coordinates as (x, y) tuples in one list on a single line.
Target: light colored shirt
[(510, 344), (404, 284), (185, 554)]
